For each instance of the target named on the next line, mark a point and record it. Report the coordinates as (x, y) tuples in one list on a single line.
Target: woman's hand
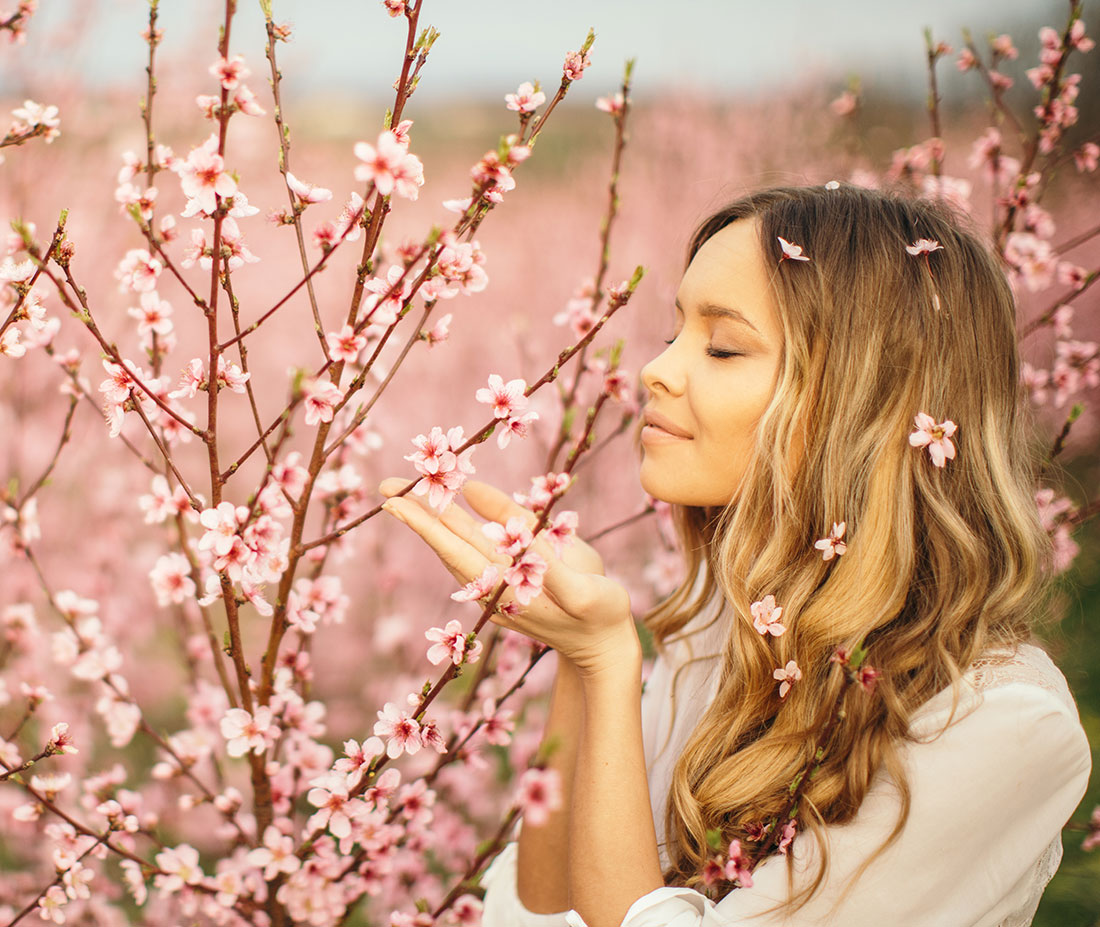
[(581, 613)]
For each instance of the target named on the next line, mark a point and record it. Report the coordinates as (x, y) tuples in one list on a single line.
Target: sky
[(487, 48)]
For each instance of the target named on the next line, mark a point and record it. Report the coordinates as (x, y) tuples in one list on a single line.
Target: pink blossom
[(765, 617), (138, 271), (923, 246), (867, 676), (496, 724), (221, 527), (787, 676), (230, 71), (544, 489), (192, 379), (510, 538), (786, 836), (461, 267), (388, 296), (203, 176), (320, 397), (329, 796), (235, 252), (345, 345), (307, 192), (575, 64), (612, 104), (357, 759), (51, 905), (507, 399), (524, 577), (966, 61), (516, 426), (153, 315), (9, 343), (443, 471), (230, 376), (450, 643), (390, 166), (171, 579), (1078, 39), (936, 437), (400, 730), (479, 587), (791, 252), (1092, 839), (539, 795), (439, 332), (833, 545), (394, 7), (1003, 47), (526, 99), (1085, 158), (246, 102), (561, 531), (737, 866), (246, 732), (845, 104), (61, 741), (180, 867), (33, 115)]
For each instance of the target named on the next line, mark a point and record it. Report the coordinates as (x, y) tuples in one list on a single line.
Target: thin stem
[(284, 169)]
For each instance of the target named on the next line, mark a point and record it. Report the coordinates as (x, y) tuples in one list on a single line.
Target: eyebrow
[(711, 311)]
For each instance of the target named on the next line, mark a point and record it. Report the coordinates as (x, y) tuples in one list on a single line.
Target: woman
[(813, 328)]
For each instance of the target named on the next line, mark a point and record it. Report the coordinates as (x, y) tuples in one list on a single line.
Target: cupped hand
[(581, 613)]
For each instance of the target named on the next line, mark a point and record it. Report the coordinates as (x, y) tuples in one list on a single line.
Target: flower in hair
[(923, 246), (832, 546), (936, 437), (787, 675), (765, 617), (791, 252)]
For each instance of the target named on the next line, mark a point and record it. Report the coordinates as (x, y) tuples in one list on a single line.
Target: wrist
[(615, 662)]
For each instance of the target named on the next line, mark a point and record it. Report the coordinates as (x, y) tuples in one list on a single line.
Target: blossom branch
[(485, 432), (1047, 318), (284, 169), (629, 520), (932, 55), (570, 397)]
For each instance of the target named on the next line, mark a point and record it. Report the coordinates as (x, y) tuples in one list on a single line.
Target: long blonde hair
[(941, 563)]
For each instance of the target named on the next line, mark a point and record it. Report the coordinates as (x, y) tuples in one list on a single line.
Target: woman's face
[(709, 388)]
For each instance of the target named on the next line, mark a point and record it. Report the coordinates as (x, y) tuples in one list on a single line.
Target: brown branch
[(629, 520), (1047, 317), (284, 168), (570, 397)]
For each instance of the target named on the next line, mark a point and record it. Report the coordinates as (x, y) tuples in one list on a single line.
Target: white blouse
[(989, 797)]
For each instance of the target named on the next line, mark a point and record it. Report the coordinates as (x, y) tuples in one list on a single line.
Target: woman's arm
[(613, 845), (542, 875)]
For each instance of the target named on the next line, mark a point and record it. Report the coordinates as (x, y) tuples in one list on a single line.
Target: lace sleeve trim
[(1027, 664)]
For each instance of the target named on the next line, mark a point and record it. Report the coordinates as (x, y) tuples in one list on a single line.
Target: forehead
[(729, 270)]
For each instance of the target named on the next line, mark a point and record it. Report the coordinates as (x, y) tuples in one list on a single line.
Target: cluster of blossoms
[(442, 465), (34, 119)]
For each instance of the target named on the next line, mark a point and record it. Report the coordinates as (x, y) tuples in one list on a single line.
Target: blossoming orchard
[(231, 693)]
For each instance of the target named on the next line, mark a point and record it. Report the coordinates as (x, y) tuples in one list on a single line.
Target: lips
[(659, 421)]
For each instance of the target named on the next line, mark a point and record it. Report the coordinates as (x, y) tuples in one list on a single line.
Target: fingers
[(495, 505), (462, 559), (453, 516)]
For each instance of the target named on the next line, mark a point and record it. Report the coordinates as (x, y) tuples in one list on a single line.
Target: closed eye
[(720, 354)]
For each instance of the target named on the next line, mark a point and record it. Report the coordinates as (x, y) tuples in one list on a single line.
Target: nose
[(664, 372)]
